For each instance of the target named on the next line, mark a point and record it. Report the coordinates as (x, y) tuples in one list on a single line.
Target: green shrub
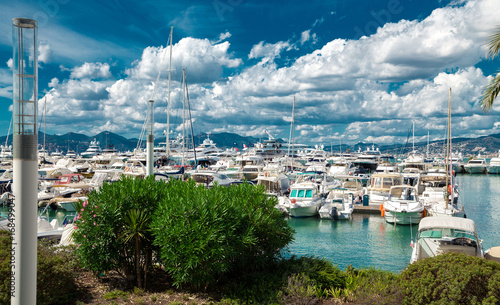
[(113, 229), (5, 255), (451, 278), (204, 233), (56, 271), (376, 286), (322, 273)]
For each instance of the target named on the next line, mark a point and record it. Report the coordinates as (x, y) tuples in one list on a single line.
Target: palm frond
[(493, 43), (490, 93), (137, 223)]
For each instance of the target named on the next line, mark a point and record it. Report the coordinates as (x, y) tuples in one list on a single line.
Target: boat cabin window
[(293, 193), (377, 182), (387, 182), (309, 193)]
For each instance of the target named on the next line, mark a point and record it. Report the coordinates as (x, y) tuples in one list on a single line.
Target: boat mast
[(167, 148), (448, 150), (413, 137), (293, 133), (183, 114), (291, 128), (427, 151), (190, 119), (44, 124)]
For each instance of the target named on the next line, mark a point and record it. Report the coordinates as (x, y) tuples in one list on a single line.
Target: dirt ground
[(112, 289)]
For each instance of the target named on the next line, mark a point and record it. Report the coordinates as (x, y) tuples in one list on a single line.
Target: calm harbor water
[(367, 240)]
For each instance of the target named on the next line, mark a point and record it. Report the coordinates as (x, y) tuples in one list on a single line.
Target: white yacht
[(93, 150), (275, 182), (340, 167), (441, 234), (476, 166), (368, 159), (433, 187), (403, 206), (337, 210), (494, 166), (304, 200), (209, 177), (380, 185)]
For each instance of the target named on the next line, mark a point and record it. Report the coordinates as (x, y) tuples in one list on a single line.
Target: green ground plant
[(5, 254), (451, 278), (56, 272)]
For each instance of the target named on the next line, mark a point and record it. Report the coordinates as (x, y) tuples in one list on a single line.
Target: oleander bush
[(205, 234), (113, 227), (56, 272), (451, 278)]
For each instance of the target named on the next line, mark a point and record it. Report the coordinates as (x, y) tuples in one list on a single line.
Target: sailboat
[(448, 206)]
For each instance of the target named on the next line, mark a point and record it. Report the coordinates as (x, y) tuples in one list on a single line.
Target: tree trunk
[(138, 262)]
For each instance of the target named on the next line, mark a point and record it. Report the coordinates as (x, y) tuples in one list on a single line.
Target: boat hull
[(303, 211), (495, 169), (403, 218), (475, 169)]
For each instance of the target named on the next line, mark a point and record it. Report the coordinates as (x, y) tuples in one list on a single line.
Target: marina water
[(367, 240)]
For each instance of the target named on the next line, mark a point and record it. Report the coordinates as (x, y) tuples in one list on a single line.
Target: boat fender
[(424, 213), (266, 174), (449, 189), (382, 211)]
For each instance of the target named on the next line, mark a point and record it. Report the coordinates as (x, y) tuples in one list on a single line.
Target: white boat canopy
[(446, 222)]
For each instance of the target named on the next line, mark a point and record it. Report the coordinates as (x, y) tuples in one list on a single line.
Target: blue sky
[(359, 70)]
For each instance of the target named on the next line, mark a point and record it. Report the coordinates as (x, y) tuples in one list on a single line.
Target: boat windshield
[(301, 193), (451, 233)]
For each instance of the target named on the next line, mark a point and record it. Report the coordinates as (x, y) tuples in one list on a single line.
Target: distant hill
[(486, 145)]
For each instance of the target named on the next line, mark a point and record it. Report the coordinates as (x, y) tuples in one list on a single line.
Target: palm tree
[(493, 89), (136, 232)]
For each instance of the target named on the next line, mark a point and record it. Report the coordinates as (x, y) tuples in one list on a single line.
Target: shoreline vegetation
[(153, 242)]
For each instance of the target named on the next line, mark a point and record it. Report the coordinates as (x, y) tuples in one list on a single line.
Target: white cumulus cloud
[(91, 70)]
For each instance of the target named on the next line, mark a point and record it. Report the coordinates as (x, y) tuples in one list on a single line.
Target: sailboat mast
[(448, 165), (413, 136), (190, 118), (44, 123), (427, 150), (167, 148), (293, 128), (183, 114)]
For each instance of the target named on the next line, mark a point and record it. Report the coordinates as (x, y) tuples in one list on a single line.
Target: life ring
[(266, 174), (293, 200), (127, 169)]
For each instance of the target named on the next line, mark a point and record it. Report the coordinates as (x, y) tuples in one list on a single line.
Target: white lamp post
[(25, 182)]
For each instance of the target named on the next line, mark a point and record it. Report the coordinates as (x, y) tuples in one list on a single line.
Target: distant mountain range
[(486, 145)]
